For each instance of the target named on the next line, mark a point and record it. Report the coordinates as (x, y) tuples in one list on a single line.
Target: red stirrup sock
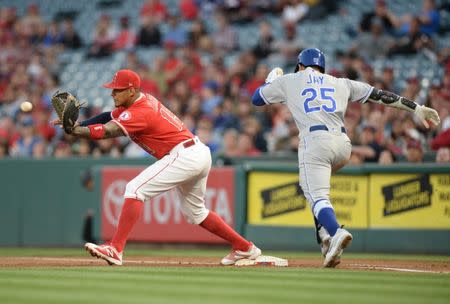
[(215, 224), (131, 211)]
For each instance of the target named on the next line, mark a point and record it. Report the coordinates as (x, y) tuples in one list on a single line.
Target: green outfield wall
[(43, 202), (399, 208)]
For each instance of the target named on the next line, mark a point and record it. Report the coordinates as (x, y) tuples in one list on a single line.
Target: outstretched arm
[(390, 99), (99, 131), (102, 118)]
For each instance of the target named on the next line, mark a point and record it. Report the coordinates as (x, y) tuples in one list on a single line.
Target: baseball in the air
[(26, 106)]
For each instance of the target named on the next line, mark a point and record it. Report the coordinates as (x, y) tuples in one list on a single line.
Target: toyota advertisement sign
[(162, 219)]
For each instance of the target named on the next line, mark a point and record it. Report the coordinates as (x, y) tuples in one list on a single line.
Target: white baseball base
[(263, 260)]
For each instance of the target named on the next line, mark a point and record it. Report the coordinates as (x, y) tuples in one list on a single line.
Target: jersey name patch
[(125, 115)]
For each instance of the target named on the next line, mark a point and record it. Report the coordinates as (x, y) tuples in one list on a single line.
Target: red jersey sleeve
[(130, 121)]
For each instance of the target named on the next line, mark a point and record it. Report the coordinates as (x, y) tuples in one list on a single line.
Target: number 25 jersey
[(315, 98), (151, 125)]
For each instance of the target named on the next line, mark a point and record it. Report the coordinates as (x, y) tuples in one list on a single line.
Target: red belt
[(189, 143)]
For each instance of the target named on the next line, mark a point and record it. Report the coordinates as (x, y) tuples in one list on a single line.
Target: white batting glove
[(274, 74), (426, 114)]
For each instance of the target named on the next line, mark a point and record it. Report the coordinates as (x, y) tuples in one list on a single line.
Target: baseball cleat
[(325, 246), (236, 255), (338, 243), (105, 252)]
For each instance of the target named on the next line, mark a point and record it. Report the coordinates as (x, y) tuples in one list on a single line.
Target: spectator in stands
[(412, 90), (230, 146), (155, 9), (413, 42), (24, 145), (388, 79), (197, 33), (264, 45), (157, 72), (225, 37), (107, 147), (173, 66), (188, 9), (32, 21), (294, 11), (428, 20), (373, 44), (442, 140), (62, 150), (225, 117), (386, 158), (246, 147), (103, 39), (84, 148), (40, 150), (210, 97), (125, 39), (149, 33), (429, 17), (252, 127), (256, 81), (205, 133), (286, 48), (382, 12), (368, 149), (176, 33), (53, 36), (148, 85), (414, 152), (70, 37), (443, 156)]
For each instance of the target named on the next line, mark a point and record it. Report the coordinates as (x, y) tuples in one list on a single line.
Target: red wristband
[(97, 131)]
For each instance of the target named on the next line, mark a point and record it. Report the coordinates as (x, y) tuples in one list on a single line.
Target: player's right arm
[(99, 131), (390, 99), (271, 91)]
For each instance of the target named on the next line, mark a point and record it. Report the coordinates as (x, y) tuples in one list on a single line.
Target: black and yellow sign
[(409, 201), (277, 199)]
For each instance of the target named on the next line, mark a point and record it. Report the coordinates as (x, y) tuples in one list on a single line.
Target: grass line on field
[(217, 286)]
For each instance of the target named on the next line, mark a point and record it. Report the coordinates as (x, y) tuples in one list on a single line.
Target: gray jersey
[(315, 98)]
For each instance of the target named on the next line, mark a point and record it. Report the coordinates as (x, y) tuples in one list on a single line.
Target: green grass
[(202, 285)]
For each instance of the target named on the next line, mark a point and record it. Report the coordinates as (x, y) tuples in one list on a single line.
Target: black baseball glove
[(68, 108)]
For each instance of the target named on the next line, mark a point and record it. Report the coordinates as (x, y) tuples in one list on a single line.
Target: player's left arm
[(390, 99), (99, 131)]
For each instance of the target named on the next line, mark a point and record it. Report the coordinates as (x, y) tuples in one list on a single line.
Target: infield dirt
[(142, 261)]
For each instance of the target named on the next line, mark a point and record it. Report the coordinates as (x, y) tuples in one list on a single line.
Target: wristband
[(97, 131)]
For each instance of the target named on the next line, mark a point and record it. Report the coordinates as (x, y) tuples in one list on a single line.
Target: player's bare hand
[(56, 122), (274, 74), (426, 115)]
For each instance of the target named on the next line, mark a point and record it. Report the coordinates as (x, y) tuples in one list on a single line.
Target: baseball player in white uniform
[(318, 103)]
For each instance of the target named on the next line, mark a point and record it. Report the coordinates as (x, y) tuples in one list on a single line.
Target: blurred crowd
[(212, 98)]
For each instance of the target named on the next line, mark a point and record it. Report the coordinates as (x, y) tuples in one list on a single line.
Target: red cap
[(124, 79)]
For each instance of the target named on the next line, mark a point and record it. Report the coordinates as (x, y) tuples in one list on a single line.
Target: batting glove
[(274, 74), (426, 114)]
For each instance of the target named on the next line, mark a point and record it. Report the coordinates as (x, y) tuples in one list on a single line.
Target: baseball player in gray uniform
[(318, 103)]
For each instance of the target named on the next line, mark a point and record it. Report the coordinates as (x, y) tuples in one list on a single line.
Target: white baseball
[(26, 106)]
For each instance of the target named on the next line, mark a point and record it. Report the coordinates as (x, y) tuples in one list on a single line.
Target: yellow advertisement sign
[(410, 201), (277, 199)]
